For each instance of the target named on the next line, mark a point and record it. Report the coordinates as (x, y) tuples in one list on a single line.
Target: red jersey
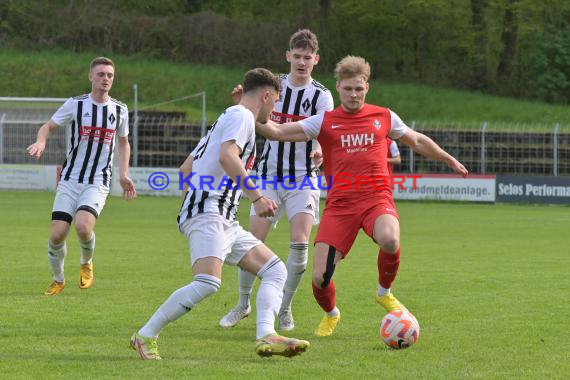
[(355, 151)]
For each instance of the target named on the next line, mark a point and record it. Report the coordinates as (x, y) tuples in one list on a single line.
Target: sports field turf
[(489, 284)]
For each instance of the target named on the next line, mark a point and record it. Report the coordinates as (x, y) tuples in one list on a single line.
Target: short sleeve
[(312, 125), (123, 127), (64, 114), (238, 125), (325, 102), (398, 128), (394, 151)]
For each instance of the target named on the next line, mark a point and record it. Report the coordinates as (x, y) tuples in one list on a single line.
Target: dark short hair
[(304, 39), (101, 61), (260, 77)]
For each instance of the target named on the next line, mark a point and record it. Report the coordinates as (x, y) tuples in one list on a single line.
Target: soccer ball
[(399, 329)]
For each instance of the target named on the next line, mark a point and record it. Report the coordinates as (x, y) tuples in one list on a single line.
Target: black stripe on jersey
[(106, 170), (308, 162), (74, 154), (71, 145), (224, 196), (296, 111), (232, 204), (264, 159), (191, 204), (200, 150), (281, 146), (205, 195), (99, 147), (89, 144), (314, 102)]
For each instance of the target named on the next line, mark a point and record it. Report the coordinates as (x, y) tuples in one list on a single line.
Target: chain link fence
[(165, 138)]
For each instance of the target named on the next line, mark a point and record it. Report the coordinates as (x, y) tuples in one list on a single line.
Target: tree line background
[(517, 48)]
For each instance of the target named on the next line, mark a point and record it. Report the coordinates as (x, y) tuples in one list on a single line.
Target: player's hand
[(317, 157), (36, 149), (265, 207), (237, 92), (458, 168), (129, 191)]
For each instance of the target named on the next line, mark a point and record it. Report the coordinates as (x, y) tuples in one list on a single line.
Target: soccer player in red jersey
[(353, 140)]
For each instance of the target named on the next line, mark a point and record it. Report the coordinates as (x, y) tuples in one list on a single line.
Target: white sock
[(87, 249), (269, 296), (334, 312), (382, 291), (245, 280), (180, 302), (296, 266), (56, 259)]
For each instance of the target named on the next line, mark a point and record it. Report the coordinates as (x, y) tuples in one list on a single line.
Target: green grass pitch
[(489, 285)]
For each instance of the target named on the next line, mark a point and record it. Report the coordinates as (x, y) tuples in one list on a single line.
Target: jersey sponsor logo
[(357, 140), (103, 135), (281, 118)]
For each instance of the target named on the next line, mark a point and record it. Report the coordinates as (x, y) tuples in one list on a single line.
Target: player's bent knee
[(274, 270), (390, 245)]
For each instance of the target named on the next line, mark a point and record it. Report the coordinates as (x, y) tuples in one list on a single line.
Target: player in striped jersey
[(94, 120), (207, 219), (353, 137), (301, 96)]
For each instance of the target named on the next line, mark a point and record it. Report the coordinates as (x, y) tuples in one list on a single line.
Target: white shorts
[(71, 197), (212, 235), (292, 201)]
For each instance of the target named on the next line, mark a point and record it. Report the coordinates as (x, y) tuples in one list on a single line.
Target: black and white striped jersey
[(292, 159), (92, 139), (212, 189)]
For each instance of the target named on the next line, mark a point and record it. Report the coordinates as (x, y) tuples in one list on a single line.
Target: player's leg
[(302, 207), (272, 273), (90, 205), (62, 215), (207, 247), (259, 227), (57, 250), (325, 260), (386, 233), (336, 234)]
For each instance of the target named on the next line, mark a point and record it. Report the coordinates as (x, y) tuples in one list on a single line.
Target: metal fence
[(164, 139)]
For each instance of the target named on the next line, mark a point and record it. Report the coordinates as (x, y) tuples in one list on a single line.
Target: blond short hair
[(351, 66), (101, 61)]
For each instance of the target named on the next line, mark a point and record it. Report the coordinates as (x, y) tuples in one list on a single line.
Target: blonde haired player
[(353, 138), (94, 120)]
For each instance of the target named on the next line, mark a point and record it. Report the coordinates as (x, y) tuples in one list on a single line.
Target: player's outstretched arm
[(233, 166), (282, 132), (36, 149), (129, 191), (425, 146)]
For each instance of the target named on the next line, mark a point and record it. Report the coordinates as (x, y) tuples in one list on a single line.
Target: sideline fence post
[(203, 125), (555, 150), (2, 138), (411, 152), (483, 130), (136, 126)]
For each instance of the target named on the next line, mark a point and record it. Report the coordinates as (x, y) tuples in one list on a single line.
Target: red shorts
[(340, 223)]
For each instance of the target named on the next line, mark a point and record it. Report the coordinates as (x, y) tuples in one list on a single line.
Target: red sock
[(388, 268), (326, 297)]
